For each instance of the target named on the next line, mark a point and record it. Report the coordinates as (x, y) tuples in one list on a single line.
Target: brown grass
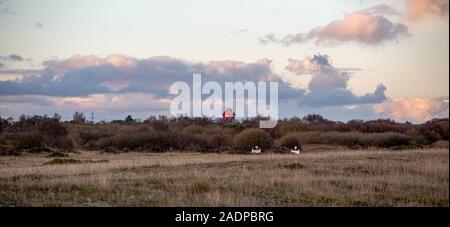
[(319, 177)]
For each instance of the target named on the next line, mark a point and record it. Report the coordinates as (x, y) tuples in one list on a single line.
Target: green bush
[(238, 127), (289, 141), (252, 137)]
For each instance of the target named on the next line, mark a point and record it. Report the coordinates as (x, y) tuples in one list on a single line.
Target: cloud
[(5, 7), (240, 31), (418, 9), (381, 9), (366, 27), (81, 76), (118, 74), (38, 25), (416, 110), (328, 85), (117, 83), (15, 57), (104, 106), (12, 57), (413, 109), (137, 102)]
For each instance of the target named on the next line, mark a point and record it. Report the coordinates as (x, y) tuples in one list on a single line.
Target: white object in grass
[(256, 150), (295, 150)]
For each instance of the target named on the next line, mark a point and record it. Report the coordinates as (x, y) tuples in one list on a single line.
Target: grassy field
[(318, 177)]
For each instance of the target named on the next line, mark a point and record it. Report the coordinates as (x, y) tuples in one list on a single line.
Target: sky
[(346, 59)]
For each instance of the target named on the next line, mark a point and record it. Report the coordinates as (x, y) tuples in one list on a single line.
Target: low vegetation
[(317, 177), (36, 134), (252, 137)]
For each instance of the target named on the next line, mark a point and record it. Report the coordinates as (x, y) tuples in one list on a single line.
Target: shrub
[(434, 130), (252, 137), (63, 143), (219, 140), (57, 155), (355, 139), (387, 139), (194, 129), (440, 144), (8, 150), (235, 126), (85, 136), (79, 118), (52, 128), (3, 140), (218, 137), (153, 141), (29, 141), (289, 141), (286, 127), (416, 137), (349, 139)]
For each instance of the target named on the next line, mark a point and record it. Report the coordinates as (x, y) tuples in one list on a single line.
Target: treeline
[(161, 134)]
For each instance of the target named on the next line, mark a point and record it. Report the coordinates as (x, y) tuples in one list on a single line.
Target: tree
[(79, 118), (129, 119), (57, 116)]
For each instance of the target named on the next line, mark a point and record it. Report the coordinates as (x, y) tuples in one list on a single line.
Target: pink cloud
[(418, 9), (367, 27), (413, 109), (112, 102), (360, 27)]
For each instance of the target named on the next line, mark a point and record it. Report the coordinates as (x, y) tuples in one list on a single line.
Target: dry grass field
[(317, 177)]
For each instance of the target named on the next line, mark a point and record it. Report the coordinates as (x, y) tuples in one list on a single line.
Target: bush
[(153, 141), (251, 137), (434, 130), (194, 129), (235, 126), (7, 150), (63, 143), (33, 140), (387, 139), (85, 136), (290, 141), (286, 127), (57, 155), (218, 137), (3, 140), (52, 128), (440, 144), (355, 139)]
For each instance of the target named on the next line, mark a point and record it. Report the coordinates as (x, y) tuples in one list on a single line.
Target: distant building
[(228, 115)]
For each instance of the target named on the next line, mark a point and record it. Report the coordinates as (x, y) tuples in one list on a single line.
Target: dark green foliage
[(290, 141), (252, 137)]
